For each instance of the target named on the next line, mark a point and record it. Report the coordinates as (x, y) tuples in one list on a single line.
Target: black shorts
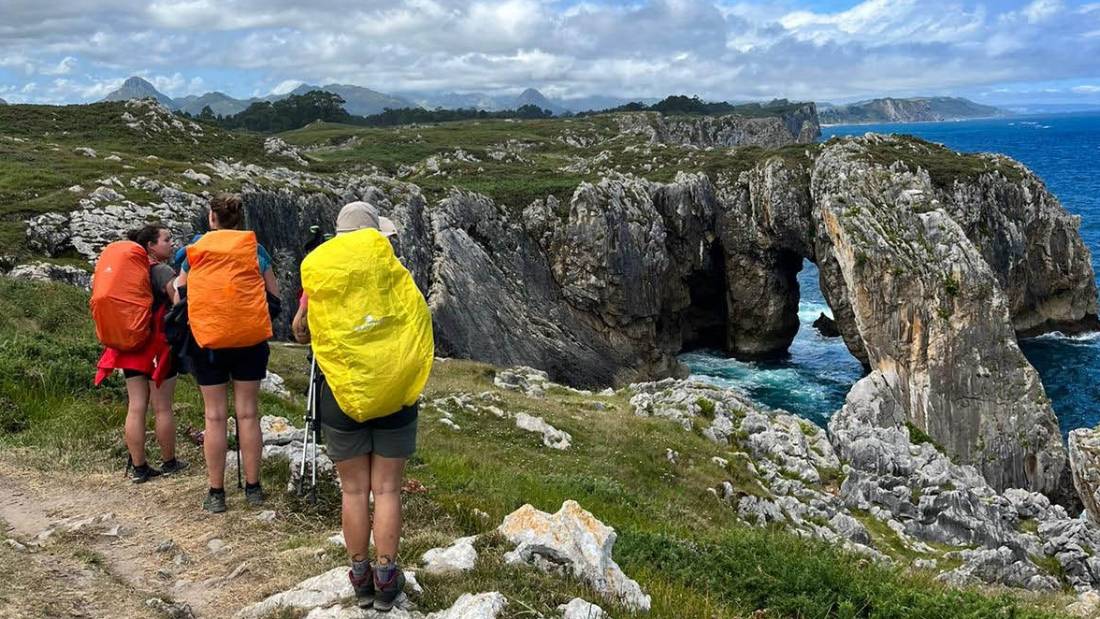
[(172, 373), (216, 367), (134, 373)]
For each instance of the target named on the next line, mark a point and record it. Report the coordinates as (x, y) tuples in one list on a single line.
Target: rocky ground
[(148, 551)]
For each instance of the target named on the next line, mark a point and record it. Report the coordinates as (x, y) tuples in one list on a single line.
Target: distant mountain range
[(2, 102), (364, 101), (358, 100), (917, 109)]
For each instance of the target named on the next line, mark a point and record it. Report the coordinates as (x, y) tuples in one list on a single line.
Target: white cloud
[(715, 48), (1041, 10), (286, 86), (1086, 89), (64, 67), (98, 89)]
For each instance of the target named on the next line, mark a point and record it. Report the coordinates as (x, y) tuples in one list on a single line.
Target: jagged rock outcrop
[(1032, 245), (798, 126), (46, 272), (279, 148), (493, 297), (765, 228), (871, 488), (931, 314), (1084, 459)]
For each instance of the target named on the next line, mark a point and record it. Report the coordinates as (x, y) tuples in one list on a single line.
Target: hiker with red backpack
[(371, 334), (131, 290), (227, 278)]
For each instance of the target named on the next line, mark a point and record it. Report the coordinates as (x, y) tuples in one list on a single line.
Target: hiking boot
[(364, 588), (254, 495), (389, 583), (214, 502), (143, 473), (175, 465)]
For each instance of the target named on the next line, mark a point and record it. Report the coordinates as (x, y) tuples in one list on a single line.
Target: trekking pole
[(316, 442), (310, 395)]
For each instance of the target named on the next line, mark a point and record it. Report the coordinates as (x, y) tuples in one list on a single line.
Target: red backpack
[(122, 296)]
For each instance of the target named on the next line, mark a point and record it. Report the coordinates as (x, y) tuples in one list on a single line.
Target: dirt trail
[(139, 542)]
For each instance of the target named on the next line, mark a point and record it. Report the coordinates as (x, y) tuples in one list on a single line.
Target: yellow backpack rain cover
[(370, 326)]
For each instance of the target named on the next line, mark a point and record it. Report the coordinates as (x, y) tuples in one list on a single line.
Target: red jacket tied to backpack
[(123, 310)]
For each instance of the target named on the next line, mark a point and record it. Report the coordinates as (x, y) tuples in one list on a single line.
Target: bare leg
[(166, 426), (245, 401), (385, 484), (355, 481), (137, 394), (215, 403)]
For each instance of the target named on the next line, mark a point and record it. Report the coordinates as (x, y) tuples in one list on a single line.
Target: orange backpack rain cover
[(122, 296), (226, 296)]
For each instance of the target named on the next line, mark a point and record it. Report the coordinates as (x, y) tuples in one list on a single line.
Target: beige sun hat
[(358, 215)]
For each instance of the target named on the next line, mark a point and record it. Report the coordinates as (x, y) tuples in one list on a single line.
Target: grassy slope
[(682, 545), (38, 163), (512, 182)]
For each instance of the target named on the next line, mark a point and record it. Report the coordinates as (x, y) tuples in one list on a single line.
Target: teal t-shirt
[(262, 256)]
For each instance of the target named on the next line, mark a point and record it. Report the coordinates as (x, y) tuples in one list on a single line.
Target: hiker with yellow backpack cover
[(371, 334), (132, 288), (226, 277)]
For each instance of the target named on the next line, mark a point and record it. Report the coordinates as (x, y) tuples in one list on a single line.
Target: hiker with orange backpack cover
[(131, 291), (226, 277)]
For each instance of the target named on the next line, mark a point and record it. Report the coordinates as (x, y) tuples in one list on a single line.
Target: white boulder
[(458, 557), (574, 539)]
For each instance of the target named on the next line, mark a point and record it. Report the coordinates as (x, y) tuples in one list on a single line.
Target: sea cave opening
[(811, 380), (703, 324)]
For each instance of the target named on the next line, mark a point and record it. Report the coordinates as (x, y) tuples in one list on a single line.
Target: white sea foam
[(1091, 336)]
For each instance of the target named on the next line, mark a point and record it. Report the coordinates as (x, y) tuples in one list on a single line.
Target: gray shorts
[(392, 436), (386, 442)]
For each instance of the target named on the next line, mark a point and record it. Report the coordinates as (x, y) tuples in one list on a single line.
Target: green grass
[(684, 546), (918, 436), (515, 184), (943, 165), (38, 163)]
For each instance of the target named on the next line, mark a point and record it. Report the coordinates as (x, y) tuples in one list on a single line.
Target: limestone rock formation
[(797, 126), (580, 609), (460, 556), (1084, 459), (871, 488), (574, 540), (933, 317), (551, 436), (46, 272)]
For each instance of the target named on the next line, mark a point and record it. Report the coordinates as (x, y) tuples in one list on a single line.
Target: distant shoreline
[(924, 122), (1014, 115)]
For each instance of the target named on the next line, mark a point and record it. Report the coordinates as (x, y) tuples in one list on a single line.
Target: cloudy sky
[(999, 51)]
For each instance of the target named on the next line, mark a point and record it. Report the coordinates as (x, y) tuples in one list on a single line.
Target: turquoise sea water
[(1064, 150)]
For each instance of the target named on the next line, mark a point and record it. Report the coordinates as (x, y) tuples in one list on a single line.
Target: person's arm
[(170, 290), (271, 283), (300, 325)]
